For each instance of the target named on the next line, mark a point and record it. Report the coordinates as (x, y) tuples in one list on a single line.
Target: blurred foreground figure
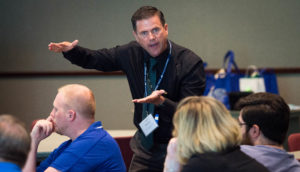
[(14, 144), (264, 120), (208, 138)]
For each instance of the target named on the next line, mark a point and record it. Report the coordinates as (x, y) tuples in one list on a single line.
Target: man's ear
[(71, 115), (135, 36), (166, 27), (254, 132)]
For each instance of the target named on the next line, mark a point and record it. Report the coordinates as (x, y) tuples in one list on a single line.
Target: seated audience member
[(264, 119), (14, 144), (208, 138), (90, 147)]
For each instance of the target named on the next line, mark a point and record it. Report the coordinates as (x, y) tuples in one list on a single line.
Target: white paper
[(252, 84)]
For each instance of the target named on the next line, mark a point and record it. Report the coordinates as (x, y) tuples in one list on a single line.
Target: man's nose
[(50, 117), (51, 114), (151, 36)]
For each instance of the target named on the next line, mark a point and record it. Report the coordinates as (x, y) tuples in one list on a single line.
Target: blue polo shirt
[(94, 150), (9, 167)]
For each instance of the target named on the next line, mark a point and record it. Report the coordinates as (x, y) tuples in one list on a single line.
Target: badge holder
[(148, 125)]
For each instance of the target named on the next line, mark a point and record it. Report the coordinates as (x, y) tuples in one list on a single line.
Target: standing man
[(160, 73), (90, 147), (14, 144), (264, 119)]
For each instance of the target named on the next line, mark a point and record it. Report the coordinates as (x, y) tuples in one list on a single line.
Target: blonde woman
[(208, 138)]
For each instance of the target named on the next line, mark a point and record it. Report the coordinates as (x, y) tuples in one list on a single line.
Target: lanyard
[(162, 74)]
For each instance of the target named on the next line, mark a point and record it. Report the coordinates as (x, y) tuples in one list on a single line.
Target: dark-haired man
[(264, 119), (160, 73), (14, 144)]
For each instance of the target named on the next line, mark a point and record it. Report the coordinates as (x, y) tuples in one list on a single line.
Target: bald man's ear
[(71, 115)]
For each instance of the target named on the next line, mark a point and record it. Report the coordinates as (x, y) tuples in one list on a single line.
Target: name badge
[(148, 125)]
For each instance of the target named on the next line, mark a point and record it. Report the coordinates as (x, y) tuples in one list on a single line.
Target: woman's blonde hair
[(203, 124)]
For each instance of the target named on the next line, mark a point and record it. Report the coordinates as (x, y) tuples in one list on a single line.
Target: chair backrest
[(294, 142), (125, 149)]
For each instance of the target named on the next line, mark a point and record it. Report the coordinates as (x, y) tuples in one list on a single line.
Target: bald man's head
[(79, 98)]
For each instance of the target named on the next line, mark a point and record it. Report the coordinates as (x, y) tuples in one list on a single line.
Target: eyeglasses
[(242, 123)]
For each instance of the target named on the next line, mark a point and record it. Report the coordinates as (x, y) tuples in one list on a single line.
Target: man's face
[(59, 114), (245, 134), (152, 35)]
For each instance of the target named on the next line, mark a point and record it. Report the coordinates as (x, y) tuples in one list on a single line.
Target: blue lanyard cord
[(162, 74)]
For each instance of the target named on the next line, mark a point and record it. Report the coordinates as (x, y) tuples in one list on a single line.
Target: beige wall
[(31, 98)]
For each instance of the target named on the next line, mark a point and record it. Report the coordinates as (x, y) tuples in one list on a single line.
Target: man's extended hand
[(42, 129), (62, 46), (154, 98)]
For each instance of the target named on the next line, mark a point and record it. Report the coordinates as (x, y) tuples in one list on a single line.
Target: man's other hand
[(154, 98)]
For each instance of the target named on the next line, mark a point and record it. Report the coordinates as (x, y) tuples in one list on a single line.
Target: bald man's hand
[(41, 130), (62, 46)]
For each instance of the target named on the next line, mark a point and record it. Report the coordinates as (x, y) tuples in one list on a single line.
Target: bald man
[(90, 147)]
